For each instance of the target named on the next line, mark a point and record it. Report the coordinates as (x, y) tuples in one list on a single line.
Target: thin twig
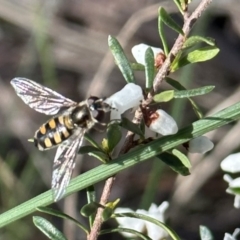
[(104, 199), (162, 73)]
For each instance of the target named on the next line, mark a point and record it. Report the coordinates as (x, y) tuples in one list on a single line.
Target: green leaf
[(165, 96), (182, 157), (89, 209), (174, 162), (205, 233), (91, 141), (125, 230), (121, 59), (166, 18), (48, 229), (193, 40), (107, 213), (114, 135), (162, 34), (170, 231), (89, 149), (130, 126), (100, 156), (127, 160), (149, 68), (178, 4), (193, 92), (178, 86), (199, 55), (137, 67), (91, 197), (236, 190), (196, 109), (175, 84), (62, 215)]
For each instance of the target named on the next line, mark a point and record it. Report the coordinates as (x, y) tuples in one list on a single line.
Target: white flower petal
[(231, 163), (200, 145), (236, 232), (237, 201), (138, 52), (235, 183), (228, 236), (227, 178), (163, 123), (155, 232), (153, 208), (131, 223), (129, 97)]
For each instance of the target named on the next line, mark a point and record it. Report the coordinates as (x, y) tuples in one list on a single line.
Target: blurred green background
[(63, 45)]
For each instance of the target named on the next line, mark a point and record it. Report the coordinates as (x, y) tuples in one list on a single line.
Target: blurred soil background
[(63, 45)]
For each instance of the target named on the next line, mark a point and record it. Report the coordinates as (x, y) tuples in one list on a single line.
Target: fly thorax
[(97, 107), (80, 116)]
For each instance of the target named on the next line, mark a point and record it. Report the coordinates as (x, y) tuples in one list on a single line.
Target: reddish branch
[(162, 73)]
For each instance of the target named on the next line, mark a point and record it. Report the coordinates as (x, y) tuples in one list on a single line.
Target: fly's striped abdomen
[(53, 132)]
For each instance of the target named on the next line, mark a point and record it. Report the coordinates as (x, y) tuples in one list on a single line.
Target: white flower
[(162, 123), (138, 52), (233, 183), (129, 97), (231, 163), (228, 236), (200, 145), (153, 231)]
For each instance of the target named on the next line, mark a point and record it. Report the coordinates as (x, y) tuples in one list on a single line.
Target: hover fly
[(65, 130)]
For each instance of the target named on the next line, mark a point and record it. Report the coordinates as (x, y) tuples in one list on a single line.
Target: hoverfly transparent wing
[(40, 98), (64, 163)]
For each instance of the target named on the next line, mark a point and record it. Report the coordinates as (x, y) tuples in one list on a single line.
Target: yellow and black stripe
[(53, 132)]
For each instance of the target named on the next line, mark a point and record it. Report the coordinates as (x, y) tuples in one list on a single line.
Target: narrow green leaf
[(48, 229), (89, 149), (193, 40), (107, 213), (91, 197), (174, 162), (137, 67), (162, 34), (130, 126), (125, 161), (121, 59), (165, 96), (149, 68), (89, 209), (178, 86), (91, 140), (196, 109), (100, 156), (62, 215), (170, 231), (193, 92), (166, 18), (182, 157), (175, 83), (125, 230), (199, 55), (205, 233), (178, 4), (114, 135)]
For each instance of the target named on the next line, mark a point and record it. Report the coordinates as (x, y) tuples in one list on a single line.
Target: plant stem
[(162, 73)]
